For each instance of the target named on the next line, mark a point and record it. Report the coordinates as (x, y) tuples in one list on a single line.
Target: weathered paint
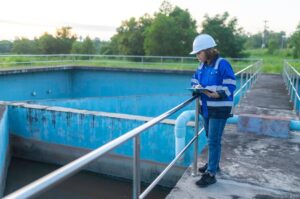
[(88, 129), (264, 125), (143, 105), (4, 147), (119, 83), (35, 85), (80, 82), (151, 93)]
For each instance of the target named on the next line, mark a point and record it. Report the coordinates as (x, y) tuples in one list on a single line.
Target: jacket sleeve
[(195, 80), (228, 80)]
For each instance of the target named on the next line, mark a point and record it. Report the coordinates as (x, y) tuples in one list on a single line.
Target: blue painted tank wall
[(79, 83), (20, 86), (92, 131), (144, 105), (88, 83), (117, 83), (4, 148)]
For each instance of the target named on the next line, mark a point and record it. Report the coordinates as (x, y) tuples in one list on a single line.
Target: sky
[(99, 18)]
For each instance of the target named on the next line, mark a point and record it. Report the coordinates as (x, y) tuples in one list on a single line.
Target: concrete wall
[(35, 85), (143, 105), (4, 147), (119, 83), (52, 83), (59, 135), (81, 82), (113, 165), (89, 130)]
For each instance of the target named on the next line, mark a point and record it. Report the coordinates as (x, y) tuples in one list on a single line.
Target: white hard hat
[(202, 42)]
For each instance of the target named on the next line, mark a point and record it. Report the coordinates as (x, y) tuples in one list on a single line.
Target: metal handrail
[(249, 81), (251, 74), (66, 171), (93, 58), (291, 78), (111, 56), (161, 175), (252, 77), (60, 174)]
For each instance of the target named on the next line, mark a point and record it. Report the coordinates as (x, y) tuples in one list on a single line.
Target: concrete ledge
[(3, 175), (264, 125), (110, 164), (18, 70), (4, 148)]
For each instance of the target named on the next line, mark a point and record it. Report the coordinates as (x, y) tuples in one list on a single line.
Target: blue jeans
[(214, 130)]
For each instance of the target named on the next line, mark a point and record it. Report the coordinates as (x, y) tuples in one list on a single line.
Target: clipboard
[(198, 90)]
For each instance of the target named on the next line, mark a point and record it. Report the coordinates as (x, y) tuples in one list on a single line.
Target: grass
[(148, 63), (273, 63)]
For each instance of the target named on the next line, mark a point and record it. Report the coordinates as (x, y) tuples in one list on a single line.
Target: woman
[(215, 74)]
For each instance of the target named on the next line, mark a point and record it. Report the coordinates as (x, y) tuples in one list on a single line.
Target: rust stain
[(93, 121), (2, 109), (53, 118), (68, 117), (29, 117)]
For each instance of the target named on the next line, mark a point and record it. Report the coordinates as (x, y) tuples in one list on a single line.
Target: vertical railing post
[(291, 86), (289, 80), (136, 167), (194, 172), (241, 84), (250, 76), (247, 83), (296, 95)]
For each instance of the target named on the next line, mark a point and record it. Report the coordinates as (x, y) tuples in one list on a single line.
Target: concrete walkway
[(252, 165), (268, 96)]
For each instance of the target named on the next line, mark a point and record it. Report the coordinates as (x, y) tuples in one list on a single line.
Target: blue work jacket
[(218, 76)]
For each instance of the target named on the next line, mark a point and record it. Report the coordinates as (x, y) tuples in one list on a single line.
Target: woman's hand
[(211, 94)]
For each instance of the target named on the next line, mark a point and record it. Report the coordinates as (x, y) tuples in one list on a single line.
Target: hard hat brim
[(194, 52)]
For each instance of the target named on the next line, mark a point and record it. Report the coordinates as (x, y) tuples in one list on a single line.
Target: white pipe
[(180, 129)]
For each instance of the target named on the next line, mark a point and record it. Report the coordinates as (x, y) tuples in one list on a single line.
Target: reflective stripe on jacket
[(219, 77)]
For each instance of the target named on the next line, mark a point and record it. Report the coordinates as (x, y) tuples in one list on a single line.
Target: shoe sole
[(206, 185)]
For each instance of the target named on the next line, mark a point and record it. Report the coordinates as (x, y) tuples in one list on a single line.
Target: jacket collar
[(213, 61)]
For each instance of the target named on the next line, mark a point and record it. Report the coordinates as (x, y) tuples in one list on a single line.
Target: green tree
[(65, 39), (228, 36), (106, 48), (129, 39), (47, 44), (273, 45), (25, 46), (253, 41), (97, 44), (275, 41), (85, 47), (171, 32), (88, 46), (5, 46), (76, 47), (295, 42)]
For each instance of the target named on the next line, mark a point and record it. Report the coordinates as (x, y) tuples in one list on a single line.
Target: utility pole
[(264, 35)]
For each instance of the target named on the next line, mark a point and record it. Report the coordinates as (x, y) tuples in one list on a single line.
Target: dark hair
[(211, 54)]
